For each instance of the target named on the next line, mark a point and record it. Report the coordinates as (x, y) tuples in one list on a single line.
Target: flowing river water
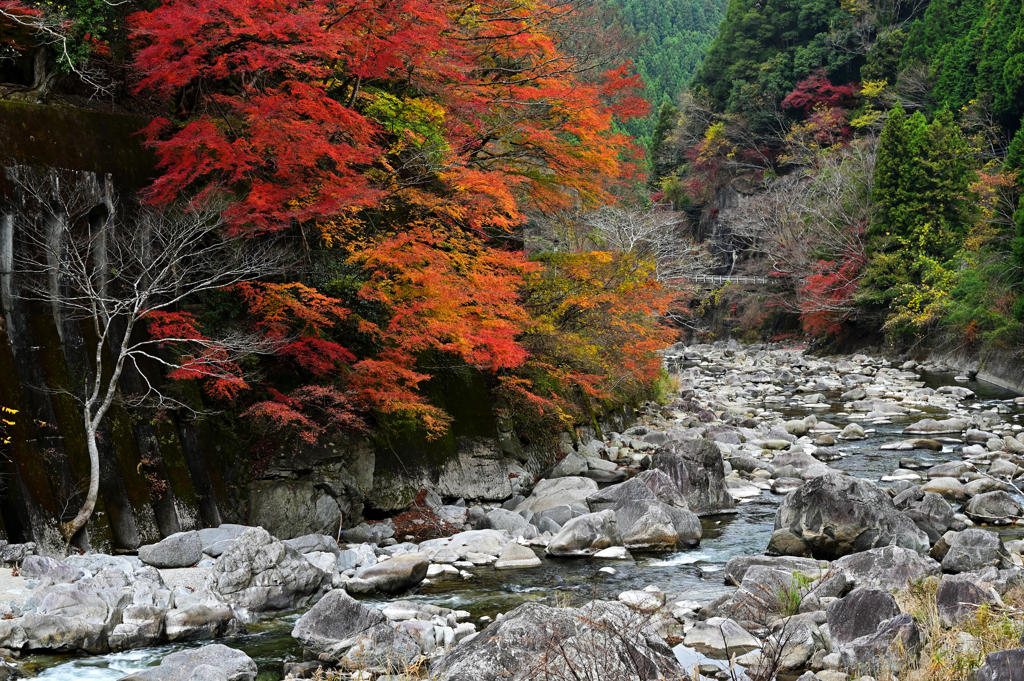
[(692, 574)]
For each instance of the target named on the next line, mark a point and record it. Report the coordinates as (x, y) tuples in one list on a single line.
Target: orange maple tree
[(408, 136)]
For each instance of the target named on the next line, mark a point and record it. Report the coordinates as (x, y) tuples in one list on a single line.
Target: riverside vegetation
[(913, 573)]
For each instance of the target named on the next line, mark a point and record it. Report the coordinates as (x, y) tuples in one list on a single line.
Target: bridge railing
[(721, 279)]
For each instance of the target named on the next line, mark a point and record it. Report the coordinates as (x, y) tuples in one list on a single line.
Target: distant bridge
[(709, 280)]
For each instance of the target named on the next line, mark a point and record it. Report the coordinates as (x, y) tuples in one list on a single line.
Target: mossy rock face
[(76, 139)]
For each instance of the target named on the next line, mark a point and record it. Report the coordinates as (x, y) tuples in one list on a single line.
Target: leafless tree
[(112, 273), (817, 213), (653, 233), (49, 30)]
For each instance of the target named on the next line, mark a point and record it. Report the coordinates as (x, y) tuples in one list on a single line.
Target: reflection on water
[(692, 574)]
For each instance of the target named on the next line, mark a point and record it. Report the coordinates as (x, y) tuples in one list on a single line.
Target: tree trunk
[(78, 522)]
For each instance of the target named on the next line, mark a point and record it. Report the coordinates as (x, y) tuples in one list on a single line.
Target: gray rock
[(513, 523), (833, 516), (860, 613), (261, 574), (141, 626), (55, 571), (653, 525), (396, 575), (518, 646), (993, 507), (956, 600), (571, 465), (205, 672), (698, 471), (314, 542), (586, 535), (383, 648), (932, 514), (737, 567), (199, 621), (234, 664), (720, 635), (183, 549), (217, 540), (289, 509), (330, 628), (514, 557), (651, 485), (974, 549), (895, 639), (1003, 665), (890, 568), (559, 492), (950, 469)]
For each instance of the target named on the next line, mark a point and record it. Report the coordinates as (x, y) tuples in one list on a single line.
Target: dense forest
[(877, 149)]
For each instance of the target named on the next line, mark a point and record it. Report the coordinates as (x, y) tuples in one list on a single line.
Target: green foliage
[(676, 35), (767, 47)]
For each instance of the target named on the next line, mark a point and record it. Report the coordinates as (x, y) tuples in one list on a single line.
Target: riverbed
[(691, 575)]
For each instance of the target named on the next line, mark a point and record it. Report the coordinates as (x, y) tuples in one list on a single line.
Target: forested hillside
[(674, 36), (867, 156)]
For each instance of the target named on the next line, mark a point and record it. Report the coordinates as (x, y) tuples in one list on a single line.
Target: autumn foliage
[(403, 142)]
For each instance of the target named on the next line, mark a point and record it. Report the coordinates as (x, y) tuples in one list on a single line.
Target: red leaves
[(817, 91), (274, 96)]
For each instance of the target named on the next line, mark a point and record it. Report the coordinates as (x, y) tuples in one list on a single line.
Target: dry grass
[(945, 655)]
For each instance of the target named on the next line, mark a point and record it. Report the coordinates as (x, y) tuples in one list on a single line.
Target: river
[(691, 575)]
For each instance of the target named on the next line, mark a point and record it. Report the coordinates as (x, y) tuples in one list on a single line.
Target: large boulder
[(183, 549), (836, 515), (975, 549), (289, 509), (932, 514), (993, 507), (50, 569), (860, 613), (737, 567), (721, 637), (515, 556), (217, 540), (896, 642), (602, 639), (510, 521), (586, 535), (233, 664), (1003, 665), (458, 546), (956, 600), (652, 485), (391, 576), (653, 525), (261, 574), (698, 471), (558, 492), (332, 626), (890, 568)]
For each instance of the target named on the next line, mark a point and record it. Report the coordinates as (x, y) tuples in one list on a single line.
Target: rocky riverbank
[(745, 426)]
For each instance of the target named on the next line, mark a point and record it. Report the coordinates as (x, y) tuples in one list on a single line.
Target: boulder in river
[(833, 516), (329, 629), (586, 535), (993, 507), (393, 576), (548, 494), (653, 485), (889, 568), (698, 471), (656, 526), (261, 574), (233, 664), (536, 641), (975, 549), (515, 556)]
